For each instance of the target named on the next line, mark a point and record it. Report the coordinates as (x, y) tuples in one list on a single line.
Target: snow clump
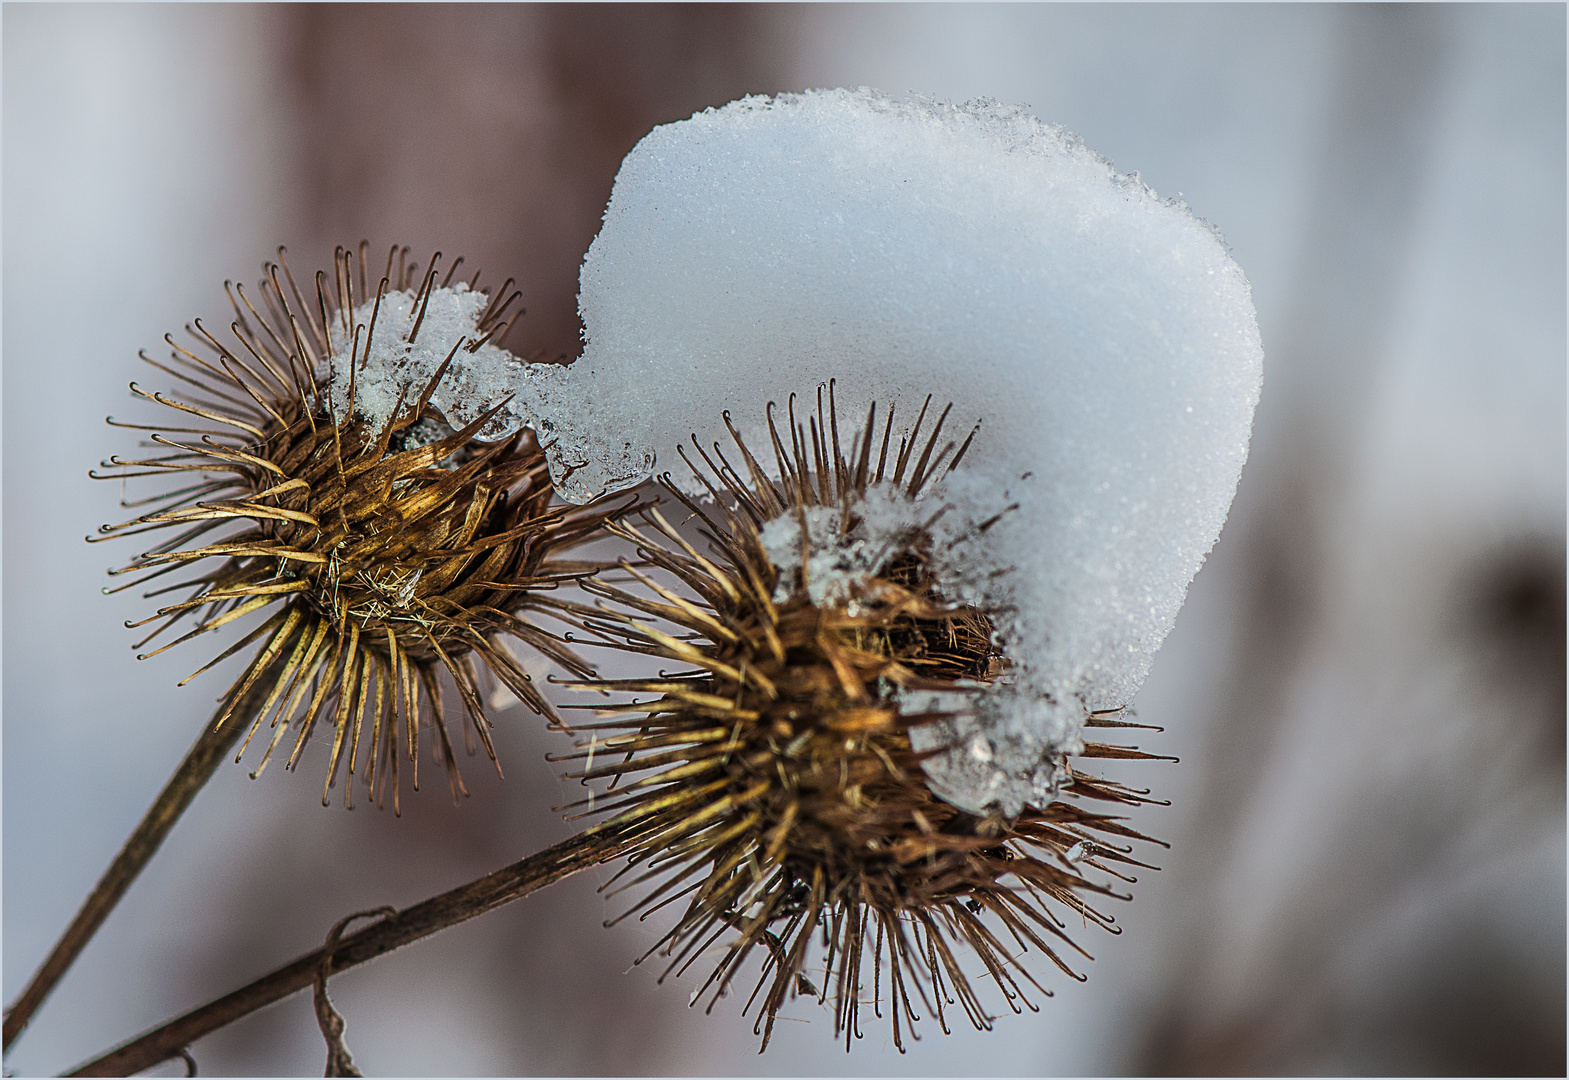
[(1102, 335), (837, 566), (390, 372)]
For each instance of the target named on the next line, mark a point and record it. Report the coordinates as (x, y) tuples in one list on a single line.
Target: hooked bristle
[(388, 551), (772, 785)]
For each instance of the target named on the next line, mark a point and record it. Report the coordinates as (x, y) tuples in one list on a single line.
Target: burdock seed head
[(769, 783), (381, 545)]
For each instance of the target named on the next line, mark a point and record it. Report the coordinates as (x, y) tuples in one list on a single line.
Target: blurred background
[(1366, 688)]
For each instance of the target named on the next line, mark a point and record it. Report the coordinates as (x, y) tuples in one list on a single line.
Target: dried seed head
[(387, 548), (772, 785)]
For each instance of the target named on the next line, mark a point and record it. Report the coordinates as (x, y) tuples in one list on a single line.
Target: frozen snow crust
[(972, 252)]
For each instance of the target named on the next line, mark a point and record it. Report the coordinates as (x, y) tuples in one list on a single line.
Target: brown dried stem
[(423, 919), (211, 747)]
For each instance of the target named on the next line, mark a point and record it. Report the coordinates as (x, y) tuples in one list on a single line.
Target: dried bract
[(769, 783), (387, 549)]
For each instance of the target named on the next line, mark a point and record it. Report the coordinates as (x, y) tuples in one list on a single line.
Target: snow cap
[(1102, 336)]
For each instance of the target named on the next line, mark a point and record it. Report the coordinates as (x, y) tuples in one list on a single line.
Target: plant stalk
[(423, 919), (211, 747)]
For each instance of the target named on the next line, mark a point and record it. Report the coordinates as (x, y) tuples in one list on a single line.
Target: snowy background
[(1366, 688)]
